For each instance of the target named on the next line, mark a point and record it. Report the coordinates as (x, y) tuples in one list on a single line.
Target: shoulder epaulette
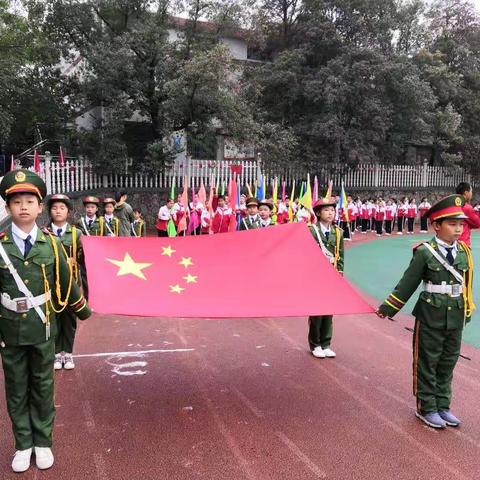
[(46, 231), (417, 245)]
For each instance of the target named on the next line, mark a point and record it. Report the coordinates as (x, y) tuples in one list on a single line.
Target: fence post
[(48, 173), (377, 171), (425, 174)]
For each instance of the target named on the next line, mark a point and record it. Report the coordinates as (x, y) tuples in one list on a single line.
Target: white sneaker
[(44, 457), (21, 460), (399, 233), (57, 364), (329, 353), (318, 352), (68, 362)]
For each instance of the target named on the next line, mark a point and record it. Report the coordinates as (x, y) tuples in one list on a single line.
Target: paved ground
[(243, 399)]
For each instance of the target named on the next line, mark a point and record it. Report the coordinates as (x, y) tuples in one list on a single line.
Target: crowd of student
[(377, 215)]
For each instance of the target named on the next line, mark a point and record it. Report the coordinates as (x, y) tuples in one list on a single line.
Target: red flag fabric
[(187, 277), (36, 162), (61, 157)]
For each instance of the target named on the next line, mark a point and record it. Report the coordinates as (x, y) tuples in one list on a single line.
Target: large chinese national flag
[(269, 272)]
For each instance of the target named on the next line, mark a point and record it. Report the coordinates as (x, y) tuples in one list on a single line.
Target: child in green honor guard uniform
[(265, 210), (139, 228), (444, 306), (330, 239), (90, 225), (112, 223), (59, 206), (252, 220), (36, 283)]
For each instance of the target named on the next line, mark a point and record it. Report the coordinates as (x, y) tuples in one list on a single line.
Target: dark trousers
[(410, 222), (435, 354), (67, 327), (320, 330), (29, 389), (424, 223), (373, 224), (400, 224), (358, 222), (83, 275), (345, 226), (388, 226), (162, 233), (365, 223), (379, 225)]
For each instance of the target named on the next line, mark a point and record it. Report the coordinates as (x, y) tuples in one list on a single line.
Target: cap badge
[(20, 177), (458, 202)]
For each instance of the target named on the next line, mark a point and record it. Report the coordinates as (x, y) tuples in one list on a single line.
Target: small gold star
[(190, 278), (186, 262), (129, 267), (176, 289), (168, 251)]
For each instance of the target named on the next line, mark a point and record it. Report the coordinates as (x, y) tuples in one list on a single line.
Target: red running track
[(244, 399)]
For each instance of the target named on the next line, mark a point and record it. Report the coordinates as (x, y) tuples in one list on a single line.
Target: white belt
[(445, 289), (24, 304)]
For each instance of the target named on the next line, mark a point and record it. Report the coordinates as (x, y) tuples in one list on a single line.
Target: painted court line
[(133, 353), (301, 456)]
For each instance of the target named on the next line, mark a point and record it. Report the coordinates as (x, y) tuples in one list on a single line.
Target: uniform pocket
[(433, 299)]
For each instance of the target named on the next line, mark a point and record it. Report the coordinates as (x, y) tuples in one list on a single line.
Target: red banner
[(270, 272)]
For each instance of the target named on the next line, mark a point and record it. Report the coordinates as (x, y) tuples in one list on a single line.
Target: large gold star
[(176, 289), (129, 267), (186, 262), (190, 278), (168, 251)]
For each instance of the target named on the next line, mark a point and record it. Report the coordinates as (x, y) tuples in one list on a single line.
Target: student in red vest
[(379, 217), (473, 219), (352, 214), (389, 216), (164, 215), (402, 210), (179, 210), (205, 221), (373, 213), (221, 218), (282, 214), (423, 208), (411, 215), (365, 214)]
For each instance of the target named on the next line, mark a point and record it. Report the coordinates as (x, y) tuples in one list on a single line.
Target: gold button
[(428, 300), (438, 269), (26, 281), (451, 281), (44, 265), (449, 308), (25, 262), (24, 315)]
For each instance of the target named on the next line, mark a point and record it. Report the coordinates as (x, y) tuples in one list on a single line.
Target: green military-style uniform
[(29, 339), (250, 222), (321, 326), (139, 228), (442, 309), (90, 227), (111, 226), (71, 238)]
